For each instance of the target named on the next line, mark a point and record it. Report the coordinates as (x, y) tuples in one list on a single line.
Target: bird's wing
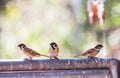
[(91, 52), (31, 52), (88, 52), (57, 49)]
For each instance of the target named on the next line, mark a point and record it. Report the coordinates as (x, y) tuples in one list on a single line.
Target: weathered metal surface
[(56, 65), (63, 64), (94, 73), (118, 68)]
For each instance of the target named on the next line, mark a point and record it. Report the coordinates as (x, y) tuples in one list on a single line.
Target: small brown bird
[(92, 52), (54, 49), (29, 52)]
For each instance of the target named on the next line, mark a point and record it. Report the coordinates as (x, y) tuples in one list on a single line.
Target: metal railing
[(63, 68)]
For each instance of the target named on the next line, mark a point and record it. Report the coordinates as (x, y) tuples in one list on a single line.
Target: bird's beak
[(18, 45)]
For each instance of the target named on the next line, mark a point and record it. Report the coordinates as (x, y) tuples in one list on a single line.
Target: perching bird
[(92, 52), (54, 49), (29, 52)]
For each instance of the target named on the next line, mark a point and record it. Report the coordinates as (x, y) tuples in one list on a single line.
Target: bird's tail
[(79, 55), (56, 58), (44, 55)]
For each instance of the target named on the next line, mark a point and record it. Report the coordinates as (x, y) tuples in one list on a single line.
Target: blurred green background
[(39, 22)]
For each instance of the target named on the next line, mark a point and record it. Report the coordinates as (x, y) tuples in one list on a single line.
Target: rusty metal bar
[(63, 64), (83, 73), (118, 68)]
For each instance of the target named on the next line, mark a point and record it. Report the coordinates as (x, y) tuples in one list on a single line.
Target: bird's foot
[(54, 58), (90, 57), (27, 59), (95, 59)]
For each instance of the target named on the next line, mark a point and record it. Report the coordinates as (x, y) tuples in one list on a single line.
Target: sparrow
[(29, 52), (54, 49), (92, 52)]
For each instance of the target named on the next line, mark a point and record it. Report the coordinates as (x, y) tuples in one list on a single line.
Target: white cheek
[(97, 49), (22, 48), (54, 46)]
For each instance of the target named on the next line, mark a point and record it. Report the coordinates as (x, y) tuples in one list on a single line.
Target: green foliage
[(39, 22)]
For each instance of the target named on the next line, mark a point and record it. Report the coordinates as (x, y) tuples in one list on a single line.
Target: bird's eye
[(55, 45)]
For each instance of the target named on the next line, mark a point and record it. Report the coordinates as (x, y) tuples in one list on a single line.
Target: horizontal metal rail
[(61, 67)]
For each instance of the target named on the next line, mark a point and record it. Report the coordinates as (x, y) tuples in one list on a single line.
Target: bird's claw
[(95, 59), (27, 59)]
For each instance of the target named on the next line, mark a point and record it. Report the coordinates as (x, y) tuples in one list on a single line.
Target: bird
[(92, 52), (54, 49), (30, 53)]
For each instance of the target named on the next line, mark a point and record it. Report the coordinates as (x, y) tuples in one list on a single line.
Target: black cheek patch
[(53, 48)]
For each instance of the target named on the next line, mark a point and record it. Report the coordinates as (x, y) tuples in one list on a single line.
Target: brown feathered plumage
[(53, 50), (92, 52), (29, 52)]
